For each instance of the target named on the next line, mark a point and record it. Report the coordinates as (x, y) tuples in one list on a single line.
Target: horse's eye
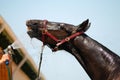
[(62, 26)]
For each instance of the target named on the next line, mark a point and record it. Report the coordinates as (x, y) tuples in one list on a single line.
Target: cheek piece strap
[(58, 42)]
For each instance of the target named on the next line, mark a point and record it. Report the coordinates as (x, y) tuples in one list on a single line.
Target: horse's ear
[(83, 26)]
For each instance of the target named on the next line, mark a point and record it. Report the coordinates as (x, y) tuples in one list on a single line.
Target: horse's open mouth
[(32, 33), (29, 29)]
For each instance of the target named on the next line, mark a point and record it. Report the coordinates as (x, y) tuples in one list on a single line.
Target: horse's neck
[(97, 60)]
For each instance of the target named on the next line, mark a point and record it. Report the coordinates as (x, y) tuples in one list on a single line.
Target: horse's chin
[(33, 35)]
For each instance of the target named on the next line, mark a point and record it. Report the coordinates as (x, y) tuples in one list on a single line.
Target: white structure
[(23, 67)]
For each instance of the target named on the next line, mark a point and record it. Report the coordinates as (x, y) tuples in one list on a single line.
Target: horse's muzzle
[(32, 34)]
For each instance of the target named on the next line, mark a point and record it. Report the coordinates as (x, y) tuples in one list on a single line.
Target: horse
[(98, 61)]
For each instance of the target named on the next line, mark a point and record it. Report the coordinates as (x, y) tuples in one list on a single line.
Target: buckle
[(44, 31)]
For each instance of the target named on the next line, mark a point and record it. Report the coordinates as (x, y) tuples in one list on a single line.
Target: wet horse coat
[(99, 62)]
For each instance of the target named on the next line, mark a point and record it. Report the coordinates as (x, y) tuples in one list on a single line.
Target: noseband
[(58, 42)]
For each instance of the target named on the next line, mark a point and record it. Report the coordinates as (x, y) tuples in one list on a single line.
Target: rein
[(58, 42)]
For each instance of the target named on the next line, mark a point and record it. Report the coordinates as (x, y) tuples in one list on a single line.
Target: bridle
[(58, 42)]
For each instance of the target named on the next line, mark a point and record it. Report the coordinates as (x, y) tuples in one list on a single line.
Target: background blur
[(104, 16)]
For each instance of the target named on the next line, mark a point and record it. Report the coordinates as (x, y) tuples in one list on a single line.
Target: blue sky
[(104, 16)]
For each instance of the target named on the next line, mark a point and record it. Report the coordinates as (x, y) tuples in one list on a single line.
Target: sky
[(104, 16)]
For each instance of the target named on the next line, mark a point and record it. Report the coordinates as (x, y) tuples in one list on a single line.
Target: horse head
[(98, 61), (51, 33)]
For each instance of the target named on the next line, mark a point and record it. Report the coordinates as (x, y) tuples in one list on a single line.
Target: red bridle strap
[(45, 32), (58, 42), (52, 37), (69, 38)]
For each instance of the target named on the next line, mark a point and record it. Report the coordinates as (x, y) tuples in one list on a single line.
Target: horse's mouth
[(29, 29), (30, 32)]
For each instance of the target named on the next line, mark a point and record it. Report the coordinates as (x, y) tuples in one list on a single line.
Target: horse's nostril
[(35, 23)]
